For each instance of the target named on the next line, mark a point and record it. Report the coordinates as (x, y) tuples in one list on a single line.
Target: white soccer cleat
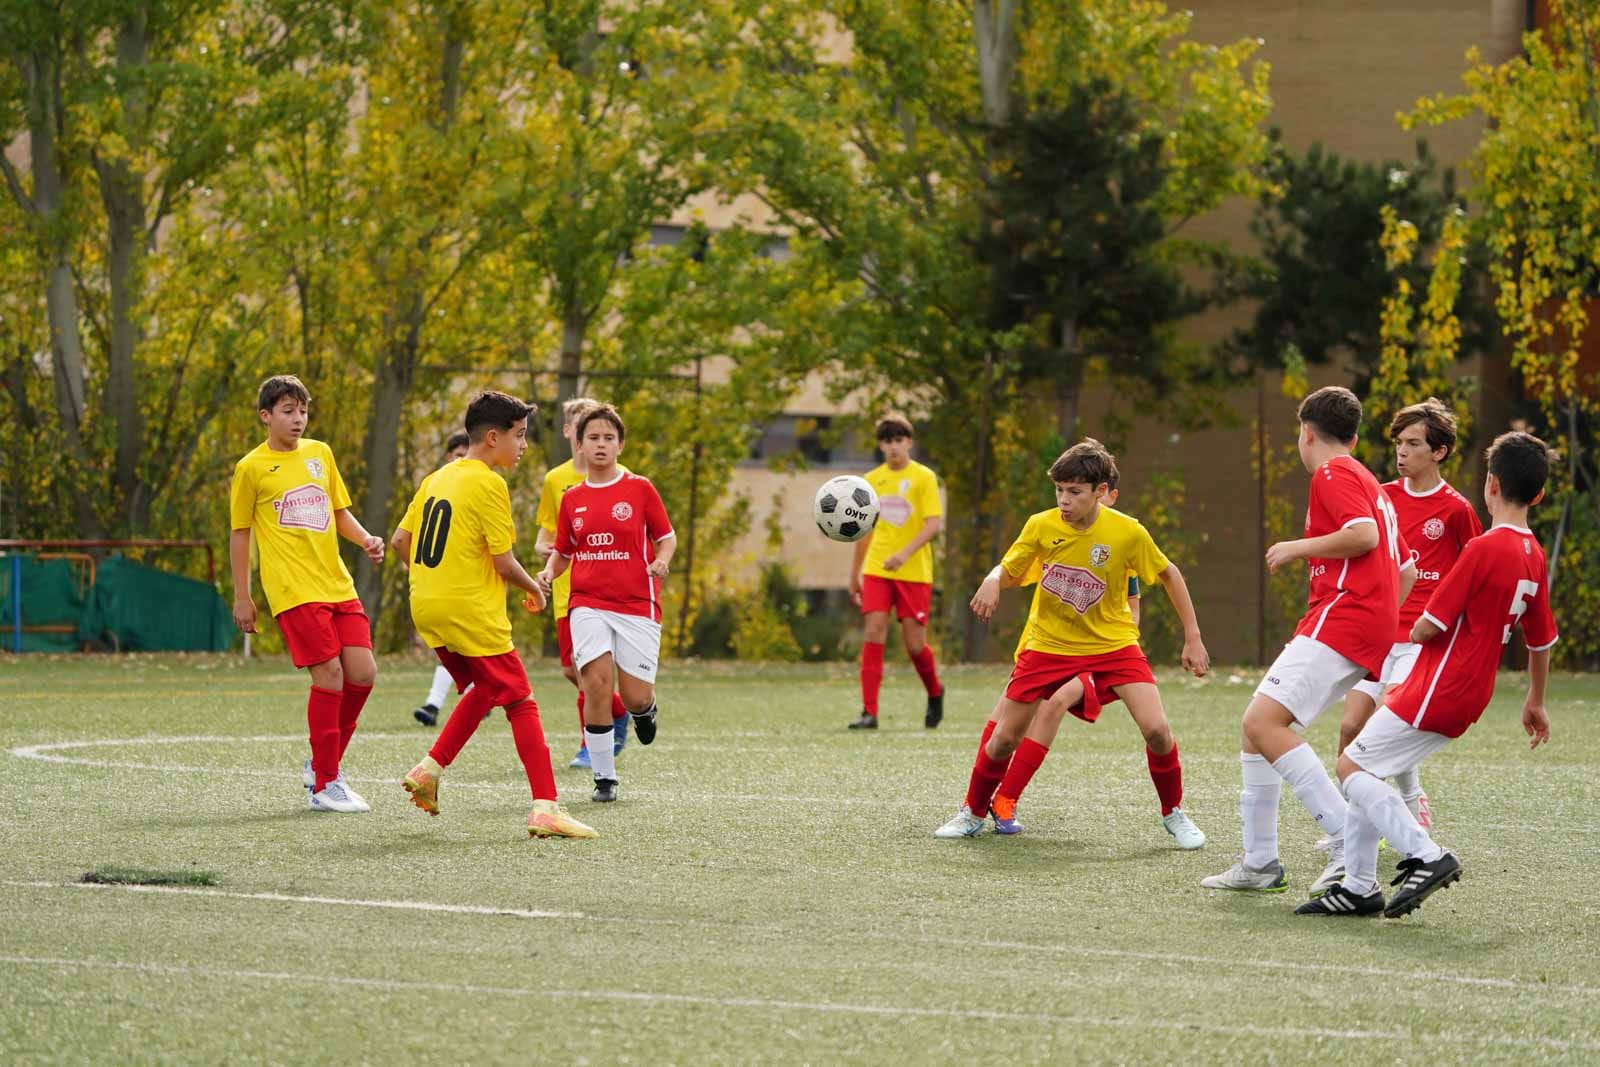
[(336, 796), (1268, 879), (1181, 827), (962, 824), (1331, 875), (308, 777)]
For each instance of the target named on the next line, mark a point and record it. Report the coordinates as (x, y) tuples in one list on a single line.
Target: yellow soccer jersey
[(906, 498), (288, 500), (1081, 605), (557, 481), (459, 521)]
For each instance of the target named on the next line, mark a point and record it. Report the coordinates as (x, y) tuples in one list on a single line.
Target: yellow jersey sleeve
[(550, 498), (242, 496), (1021, 560), (499, 530), (1146, 562), (336, 488)]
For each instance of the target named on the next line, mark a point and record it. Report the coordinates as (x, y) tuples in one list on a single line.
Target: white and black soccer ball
[(846, 508)]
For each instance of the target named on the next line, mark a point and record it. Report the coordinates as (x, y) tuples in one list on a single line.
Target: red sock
[(528, 734), (1024, 764), (582, 743), (460, 726), (988, 732), (1167, 774), (871, 676), (355, 698), (618, 708), (322, 723), (986, 775), (927, 670)]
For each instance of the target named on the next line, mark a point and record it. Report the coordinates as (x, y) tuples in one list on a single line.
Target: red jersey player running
[(1437, 522), (614, 533), (1499, 581), (1354, 552)]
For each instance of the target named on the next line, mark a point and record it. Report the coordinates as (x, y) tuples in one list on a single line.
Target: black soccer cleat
[(644, 724), (935, 713), (1340, 901), (427, 715), (866, 722), (605, 790), (1418, 881)]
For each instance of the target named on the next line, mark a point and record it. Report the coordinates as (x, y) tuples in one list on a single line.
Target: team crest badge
[(1099, 554), (577, 524), (622, 511), (1433, 529), (315, 467)]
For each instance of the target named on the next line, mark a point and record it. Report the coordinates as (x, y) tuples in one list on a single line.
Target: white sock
[(602, 756), (1309, 779), (1258, 810), (1382, 807), (1409, 783), (440, 687), (1360, 853)]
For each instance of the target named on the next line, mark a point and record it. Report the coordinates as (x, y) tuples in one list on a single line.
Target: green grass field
[(766, 890)]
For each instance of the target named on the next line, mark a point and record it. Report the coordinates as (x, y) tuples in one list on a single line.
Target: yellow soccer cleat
[(423, 785), (550, 819)]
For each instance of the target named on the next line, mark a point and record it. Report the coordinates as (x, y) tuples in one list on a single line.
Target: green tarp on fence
[(49, 598), (131, 607)]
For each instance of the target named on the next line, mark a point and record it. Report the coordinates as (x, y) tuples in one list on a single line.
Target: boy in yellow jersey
[(288, 493), (1081, 697), (557, 481), (458, 534), (1086, 553), (428, 714), (893, 569)]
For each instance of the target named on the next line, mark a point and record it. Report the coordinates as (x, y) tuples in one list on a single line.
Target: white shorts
[(633, 641), (1396, 669), (1388, 745), (1308, 676)]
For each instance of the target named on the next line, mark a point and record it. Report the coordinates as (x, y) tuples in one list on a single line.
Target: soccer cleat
[(866, 722), (423, 785), (1004, 811), (427, 715), (1418, 881), (1331, 875), (935, 713), (308, 777), (336, 796), (962, 824), (549, 819), (605, 790), (1420, 811), (644, 724), (619, 734), (1340, 901), (1269, 879), (1180, 826), (581, 760)]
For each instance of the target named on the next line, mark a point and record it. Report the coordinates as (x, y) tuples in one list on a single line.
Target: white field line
[(1215, 963), (650, 998)]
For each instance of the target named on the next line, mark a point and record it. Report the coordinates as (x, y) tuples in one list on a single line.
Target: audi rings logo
[(600, 540)]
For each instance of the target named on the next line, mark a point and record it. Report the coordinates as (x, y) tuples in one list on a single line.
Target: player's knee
[(1345, 768), (327, 675), (1158, 738), (571, 675)]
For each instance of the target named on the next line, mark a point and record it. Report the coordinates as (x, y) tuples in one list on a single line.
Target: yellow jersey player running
[(288, 494), (1085, 552), (458, 534), (893, 570), (428, 714)]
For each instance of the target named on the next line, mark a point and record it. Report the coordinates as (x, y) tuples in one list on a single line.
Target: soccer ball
[(846, 508)]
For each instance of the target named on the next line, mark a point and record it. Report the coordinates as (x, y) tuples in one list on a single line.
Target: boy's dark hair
[(1088, 461), (279, 386), (1521, 462), (459, 439), (1333, 412), (493, 410), (602, 411), (1438, 420), (892, 427)]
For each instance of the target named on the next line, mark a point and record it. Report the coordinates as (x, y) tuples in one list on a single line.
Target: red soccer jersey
[(1354, 602), (1437, 525), (1499, 579), (610, 533)]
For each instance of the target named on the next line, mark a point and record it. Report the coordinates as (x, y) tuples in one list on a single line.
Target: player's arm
[(1133, 598), (987, 598), (544, 543), (1534, 720), (244, 608), (401, 544), (666, 547), (350, 529), (857, 563), (1196, 659), (930, 529), (507, 567), (1354, 540), (1408, 577)]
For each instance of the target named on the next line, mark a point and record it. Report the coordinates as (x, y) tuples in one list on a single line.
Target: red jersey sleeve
[(1466, 525), (1449, 599), (564, 542), (1408, 557), (1342, 498), (1538, 624), (656, 523)]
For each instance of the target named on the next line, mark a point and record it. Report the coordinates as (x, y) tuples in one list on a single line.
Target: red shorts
[(1039, 674), (500, 678), (909, 600), (318, 631), (564, 639)]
